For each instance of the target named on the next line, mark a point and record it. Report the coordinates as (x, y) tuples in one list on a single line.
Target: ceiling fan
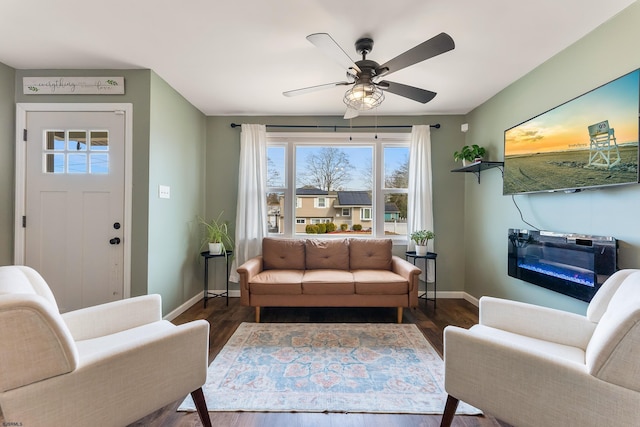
[(365, 76)]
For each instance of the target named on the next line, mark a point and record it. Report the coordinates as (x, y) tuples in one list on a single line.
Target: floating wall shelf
[(478, 167)]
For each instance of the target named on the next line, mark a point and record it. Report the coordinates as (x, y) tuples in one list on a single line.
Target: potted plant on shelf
[(216, 235), (421, 238), (469, 154)]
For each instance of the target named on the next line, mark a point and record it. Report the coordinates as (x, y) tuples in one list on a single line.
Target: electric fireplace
[(572, 264)]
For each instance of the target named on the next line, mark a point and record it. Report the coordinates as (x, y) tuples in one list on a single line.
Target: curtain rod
[(335, 127)]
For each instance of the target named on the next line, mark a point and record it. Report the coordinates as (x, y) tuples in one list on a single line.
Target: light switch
[(164, 192)]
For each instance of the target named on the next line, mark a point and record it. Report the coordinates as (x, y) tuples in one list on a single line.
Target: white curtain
[(251, 213), (419, 203)]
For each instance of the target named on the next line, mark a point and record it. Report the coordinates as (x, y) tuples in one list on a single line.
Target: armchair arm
[(527, 388), (112, 317), (536, 322), (36, 343), (140, 372)]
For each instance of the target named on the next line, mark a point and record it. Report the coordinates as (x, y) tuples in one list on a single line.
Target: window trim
[(378, 142)]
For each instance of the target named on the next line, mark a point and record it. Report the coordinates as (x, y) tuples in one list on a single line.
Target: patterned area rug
[(346, 367)]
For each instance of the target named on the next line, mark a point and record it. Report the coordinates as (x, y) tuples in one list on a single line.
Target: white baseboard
[(453, 295), (236, 294), (189, 303), (184, 307), (473, 300)]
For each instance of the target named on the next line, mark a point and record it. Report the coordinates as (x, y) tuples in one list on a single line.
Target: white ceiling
[(236, 57)]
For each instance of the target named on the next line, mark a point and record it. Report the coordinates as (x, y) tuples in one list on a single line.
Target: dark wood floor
[(224, 321)]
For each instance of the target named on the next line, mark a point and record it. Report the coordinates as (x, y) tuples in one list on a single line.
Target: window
[(365, 214), (320, 220), (356, 183), (76, 152)]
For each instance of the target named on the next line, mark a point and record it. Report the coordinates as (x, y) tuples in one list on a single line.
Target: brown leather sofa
[(328, 273)]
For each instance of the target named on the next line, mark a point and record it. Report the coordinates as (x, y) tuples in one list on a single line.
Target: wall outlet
[(164, 192)]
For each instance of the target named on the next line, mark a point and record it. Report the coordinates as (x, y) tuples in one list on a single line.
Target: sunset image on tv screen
[(590, 141)]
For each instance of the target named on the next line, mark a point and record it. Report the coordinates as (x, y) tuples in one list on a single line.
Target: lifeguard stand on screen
[(603, 149)]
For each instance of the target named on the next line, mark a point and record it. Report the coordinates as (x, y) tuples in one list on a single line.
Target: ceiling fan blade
[(350, 113), (329, 47), (310, 89), (433, 47), (411, 92)]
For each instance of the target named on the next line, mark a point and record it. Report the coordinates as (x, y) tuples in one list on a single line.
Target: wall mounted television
[(588, 142)]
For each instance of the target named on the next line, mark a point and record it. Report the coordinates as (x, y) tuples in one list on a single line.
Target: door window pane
[(77, 141), (99, 163), (54, 140), (54, 163), (77, 163), (99, 140)]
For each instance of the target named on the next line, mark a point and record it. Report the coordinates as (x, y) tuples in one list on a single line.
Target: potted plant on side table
[(469, 154), (216, 235), (421, 238)]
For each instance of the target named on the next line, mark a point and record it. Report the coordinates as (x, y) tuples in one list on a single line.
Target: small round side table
[(426, 258), (211, 294)]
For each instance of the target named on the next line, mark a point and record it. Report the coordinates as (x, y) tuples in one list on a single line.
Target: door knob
[(115, 241)]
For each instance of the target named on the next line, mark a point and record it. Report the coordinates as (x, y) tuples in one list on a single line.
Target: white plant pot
[(466, 162), (215, 248), (421, 250)]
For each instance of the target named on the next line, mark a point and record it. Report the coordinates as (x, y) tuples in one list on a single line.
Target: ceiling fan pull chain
[(376, 124)]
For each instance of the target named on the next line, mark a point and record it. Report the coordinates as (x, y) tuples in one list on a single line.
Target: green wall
[(176, 159), (223, 151), (606, 53), (7, 161)]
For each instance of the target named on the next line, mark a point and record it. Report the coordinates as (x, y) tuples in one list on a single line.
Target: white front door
[(74, 204)]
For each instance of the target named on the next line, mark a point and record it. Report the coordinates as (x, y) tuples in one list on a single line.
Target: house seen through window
[(328, 185)]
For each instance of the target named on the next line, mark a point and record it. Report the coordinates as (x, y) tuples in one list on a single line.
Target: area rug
[(346, 367)]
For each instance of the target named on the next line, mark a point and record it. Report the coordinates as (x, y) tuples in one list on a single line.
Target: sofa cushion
[(327, 282), (327, 254), (282, 254), (370, 254), (277, 282), (379, 282)]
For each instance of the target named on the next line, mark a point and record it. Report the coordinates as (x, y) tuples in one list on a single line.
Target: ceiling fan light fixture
[(363, 96)]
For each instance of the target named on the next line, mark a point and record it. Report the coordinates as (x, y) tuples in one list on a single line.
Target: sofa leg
[(449, 411), (257, 314), (399, 314), (201, 405)]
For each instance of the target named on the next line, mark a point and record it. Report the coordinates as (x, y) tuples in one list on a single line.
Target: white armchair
[(107, 365), (535, 366)]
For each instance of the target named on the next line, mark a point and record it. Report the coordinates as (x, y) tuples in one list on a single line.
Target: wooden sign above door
[(73, 85)]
